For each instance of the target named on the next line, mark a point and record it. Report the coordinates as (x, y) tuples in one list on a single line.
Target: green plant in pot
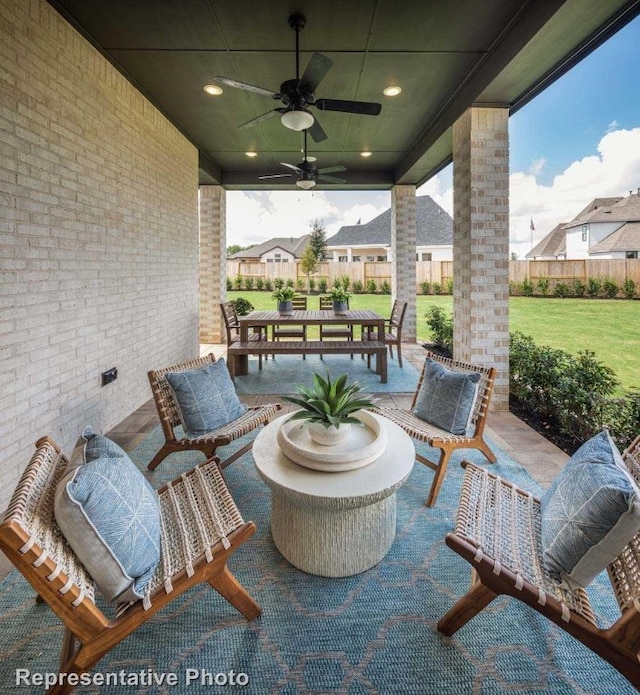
[(284, 295), (329, 408), (340, 298)]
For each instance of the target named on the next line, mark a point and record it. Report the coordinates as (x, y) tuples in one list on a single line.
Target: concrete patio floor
[(542, 459)]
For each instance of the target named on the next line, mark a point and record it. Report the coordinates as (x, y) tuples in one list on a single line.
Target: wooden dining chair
[(232, 327), (200, 529), (331, 331), (289, 331), (392, 330)]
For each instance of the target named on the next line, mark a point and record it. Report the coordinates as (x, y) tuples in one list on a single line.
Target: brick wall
[(481, 243), (98, 237), (213, 263), (403, 245)]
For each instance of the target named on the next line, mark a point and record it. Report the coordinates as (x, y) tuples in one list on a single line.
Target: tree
[(234, 248), (318, 240), (308, 263)]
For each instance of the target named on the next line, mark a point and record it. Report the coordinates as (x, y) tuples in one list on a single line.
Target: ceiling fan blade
[(314, 73), (275, 176), (292, 166), (331, 179), (316, 131), (247, 87), (332, 170), (365, 108), (258, 119)]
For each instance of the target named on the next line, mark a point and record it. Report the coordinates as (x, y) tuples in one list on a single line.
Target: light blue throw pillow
[(110, 516), (589, 513), (446, 397), (206, 398)]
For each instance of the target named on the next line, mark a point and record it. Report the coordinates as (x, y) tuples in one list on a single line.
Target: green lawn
[(608, 327)]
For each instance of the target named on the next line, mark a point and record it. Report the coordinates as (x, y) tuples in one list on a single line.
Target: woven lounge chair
[(498, 532), (201, 528), (441, 439), (169, 418)]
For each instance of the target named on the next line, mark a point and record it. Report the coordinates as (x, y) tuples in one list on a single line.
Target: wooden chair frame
[(441, 439), (232, 327), (392, 330), (32, 540), (503, 511), (167, 407), (341, 332)]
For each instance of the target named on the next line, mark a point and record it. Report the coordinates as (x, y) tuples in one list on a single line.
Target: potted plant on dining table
[(329, 408), (284, 295), (340, 298)]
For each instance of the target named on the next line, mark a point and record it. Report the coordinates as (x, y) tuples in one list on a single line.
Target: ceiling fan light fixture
[(366, 153), (250, 153), (392, 91), (306, 184), (297, 119)]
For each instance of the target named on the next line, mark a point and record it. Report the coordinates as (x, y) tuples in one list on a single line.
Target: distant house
[(277, 250), (606, 228), (372, 241)]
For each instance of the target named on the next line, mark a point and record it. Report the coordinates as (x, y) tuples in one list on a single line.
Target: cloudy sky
[(578, 140)]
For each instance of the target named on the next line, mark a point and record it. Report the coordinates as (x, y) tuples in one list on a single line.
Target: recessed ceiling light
[(392, 91), (366, 153), (251, 154), (213, 89)]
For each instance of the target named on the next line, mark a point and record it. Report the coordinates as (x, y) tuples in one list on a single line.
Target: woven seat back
[(163, 396), (32, 539), (485, 385), (624, 571)]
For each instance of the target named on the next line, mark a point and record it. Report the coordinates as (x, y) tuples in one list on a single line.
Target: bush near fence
[(577, 278)]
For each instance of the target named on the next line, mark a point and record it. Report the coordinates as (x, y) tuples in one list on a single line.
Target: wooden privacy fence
[(442, 271)]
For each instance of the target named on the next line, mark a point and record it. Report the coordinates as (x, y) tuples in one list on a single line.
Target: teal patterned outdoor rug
[(286, 371), (374, 633)]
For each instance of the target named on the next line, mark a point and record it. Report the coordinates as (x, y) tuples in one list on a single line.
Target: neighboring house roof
[(610, 210), (554, 244), (596, 204), (293, 245), (434, 228), (626, 238)]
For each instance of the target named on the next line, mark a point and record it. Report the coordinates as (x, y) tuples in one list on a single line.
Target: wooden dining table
[(239, 351)]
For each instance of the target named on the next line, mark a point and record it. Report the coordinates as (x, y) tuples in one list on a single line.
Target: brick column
[(481, 243), (213, 256), (403, 245)]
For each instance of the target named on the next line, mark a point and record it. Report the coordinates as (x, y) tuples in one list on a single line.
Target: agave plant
[(329, 403)]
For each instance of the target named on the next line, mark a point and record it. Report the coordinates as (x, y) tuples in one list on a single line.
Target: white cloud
[(613, 171), (537, 166), (440, 188)]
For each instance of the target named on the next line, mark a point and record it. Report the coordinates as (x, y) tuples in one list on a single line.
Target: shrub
[(300, 283), (593, 287), (323, 285), (527, 288), (515, 288), (562, 290), (229, 284), (336, 282), (610, 288), (243, 306), (543, 285), (248, 284), (629, 288), (425, 287), (358, 287), (578, 288), (450, 286), (440, 323), (372, 288), (268, 285), (278, 283), (437, 288), (260, 284), (385, 287), (346, 282), (312, 284), (290, 283), (238, 282)]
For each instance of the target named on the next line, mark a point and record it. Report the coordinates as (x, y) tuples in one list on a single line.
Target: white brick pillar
[(403, 253), (213, 258), (481, 243)]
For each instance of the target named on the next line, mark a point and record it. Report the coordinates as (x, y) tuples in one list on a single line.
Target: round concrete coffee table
[(334, 524)]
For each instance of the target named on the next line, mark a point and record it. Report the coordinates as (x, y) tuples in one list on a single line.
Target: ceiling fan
[(297, 94), (307, 172)]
